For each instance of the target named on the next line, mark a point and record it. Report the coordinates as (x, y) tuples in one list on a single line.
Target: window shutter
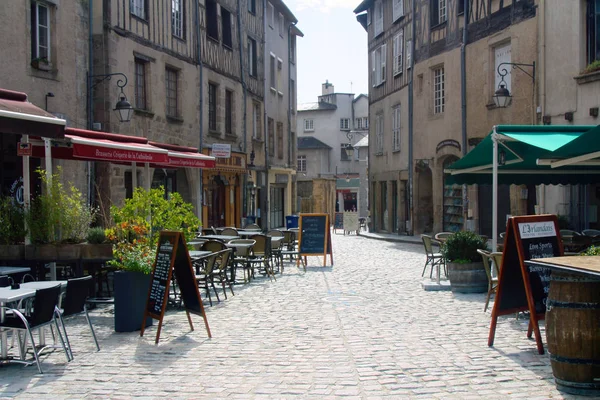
[(373, 68), (408, 54), (383, 62), (434, 12), (378, 17), (400, 51), (398, 10), (395, 53)]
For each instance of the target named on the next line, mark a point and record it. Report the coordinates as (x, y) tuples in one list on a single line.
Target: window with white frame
[(396, 127), (378, 17), (438, 12), (439, 98), (172, 89), (366, 122), (138, 8), (281, 25), (443, 11), (301, 163), (273, 72), (358, 123), (502, 55), (280, 76), (593, 31), (177, 18), (378, 65), (256, 121), (271, 15), (251, 57), (398, 43), (408, 54), (398, 10), (379, 133), (309, 125), (252, 6), (226, 28), (140, 84), (293, 96), (344, 124), (40, 31)]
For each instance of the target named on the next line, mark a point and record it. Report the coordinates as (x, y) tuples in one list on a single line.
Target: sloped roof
[(364, 6), (359, 97), (319, 106), (364, 142), (309, 142)]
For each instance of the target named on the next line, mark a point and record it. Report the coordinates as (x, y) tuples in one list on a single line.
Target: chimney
[(327, 88)]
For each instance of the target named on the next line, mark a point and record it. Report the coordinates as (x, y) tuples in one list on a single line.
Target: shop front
[(280, 196), (222, 191), (347, 195)]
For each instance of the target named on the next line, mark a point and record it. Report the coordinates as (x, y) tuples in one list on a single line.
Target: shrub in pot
[(465, 267), (12, 229)]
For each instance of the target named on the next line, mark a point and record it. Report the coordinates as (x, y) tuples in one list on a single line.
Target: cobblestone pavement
[(362, 329)]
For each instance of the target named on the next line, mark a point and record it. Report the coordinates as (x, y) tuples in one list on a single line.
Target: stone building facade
[(44, 53)]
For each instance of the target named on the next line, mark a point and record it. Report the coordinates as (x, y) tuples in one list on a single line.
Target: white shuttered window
[(378, 65), (398, 44), (398, 10), (379, 134), (396, 127), (378, 17), (408, 54)]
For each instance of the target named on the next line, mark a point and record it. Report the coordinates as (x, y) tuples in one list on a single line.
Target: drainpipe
[(90, 94), (410, 122), (201, 101), (265, 210), (290, 105), (463, 99), (244, 122)]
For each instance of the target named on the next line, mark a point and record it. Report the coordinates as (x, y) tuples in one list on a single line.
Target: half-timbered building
[(447, 77)]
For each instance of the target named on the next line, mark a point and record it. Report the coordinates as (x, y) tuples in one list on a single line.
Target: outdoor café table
[(8, 295), (195, 254), (249, 233), (13, 270), (222, 238)]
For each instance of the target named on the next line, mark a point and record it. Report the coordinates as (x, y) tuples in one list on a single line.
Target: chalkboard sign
[(172, 254), (522, 287), (351, 222), (314, 236), (338, 222)]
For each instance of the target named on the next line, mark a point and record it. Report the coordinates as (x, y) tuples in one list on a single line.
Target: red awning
[(20, 117), (81, 144)]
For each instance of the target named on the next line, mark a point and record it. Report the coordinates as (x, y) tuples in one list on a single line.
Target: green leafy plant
[(12, 225), (137, 225), (96, 235), (461, 247), (563, 222), (594, 66), (592, 251), (60, 214)]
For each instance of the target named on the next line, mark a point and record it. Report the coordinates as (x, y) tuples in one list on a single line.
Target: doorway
[(216, 197)]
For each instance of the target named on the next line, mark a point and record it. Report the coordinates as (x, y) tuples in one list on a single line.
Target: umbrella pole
[(26, 189), (495, 191)]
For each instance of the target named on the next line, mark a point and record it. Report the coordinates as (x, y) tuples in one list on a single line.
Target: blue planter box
[(131, 292)]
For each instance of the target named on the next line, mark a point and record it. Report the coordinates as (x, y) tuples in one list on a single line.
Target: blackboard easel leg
[(158, 331), (190, 320)]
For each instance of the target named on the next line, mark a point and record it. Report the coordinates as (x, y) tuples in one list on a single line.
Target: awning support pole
[(147, 176), (26, 189), (133, 176), (495, 191)]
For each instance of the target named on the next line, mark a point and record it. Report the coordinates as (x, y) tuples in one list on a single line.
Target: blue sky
[(334, 47)]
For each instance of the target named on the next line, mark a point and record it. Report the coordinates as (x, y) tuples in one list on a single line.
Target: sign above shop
[(447, 142), (24, 149), (221, 150)]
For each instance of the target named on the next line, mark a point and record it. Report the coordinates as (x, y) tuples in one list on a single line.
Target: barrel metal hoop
[(579, 361), (568, 304)]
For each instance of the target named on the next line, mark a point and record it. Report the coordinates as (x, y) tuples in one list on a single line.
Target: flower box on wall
[(96, 252)]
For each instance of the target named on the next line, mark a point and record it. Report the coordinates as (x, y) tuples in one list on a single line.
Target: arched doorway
[(424, 204), (452, 202)]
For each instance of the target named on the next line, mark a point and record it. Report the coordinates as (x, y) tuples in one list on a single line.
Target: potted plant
[(41, 63), (57, 220), (12, 230), (96, 247), (465, 266), (137, 225)]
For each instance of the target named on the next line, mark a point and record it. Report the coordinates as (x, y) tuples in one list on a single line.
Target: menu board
[(161, 276), (314, 236), (338, 222), (172, 254), (522, 287), (351, 222)]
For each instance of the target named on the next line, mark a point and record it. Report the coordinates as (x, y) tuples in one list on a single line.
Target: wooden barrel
[(468, 278), (573, 332)]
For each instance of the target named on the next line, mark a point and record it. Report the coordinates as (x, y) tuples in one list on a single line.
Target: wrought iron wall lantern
[(502, 97), (349, 148), (123, 108)]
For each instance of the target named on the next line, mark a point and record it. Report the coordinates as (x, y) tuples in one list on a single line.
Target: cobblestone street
[(362, 329)]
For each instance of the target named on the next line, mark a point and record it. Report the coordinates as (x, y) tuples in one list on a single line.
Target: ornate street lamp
[(502, 97), (123, 108), (349, 148)]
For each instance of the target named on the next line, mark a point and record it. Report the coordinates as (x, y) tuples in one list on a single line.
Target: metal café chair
[(219, 270), (229, 232), (243, 250), (433, 259), (261, 254), (42, 315), (276, 251), (73, 304), (203, 276), (492, 280), (252, 227)]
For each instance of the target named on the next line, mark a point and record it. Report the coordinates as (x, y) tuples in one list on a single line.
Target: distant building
[(327, 132)]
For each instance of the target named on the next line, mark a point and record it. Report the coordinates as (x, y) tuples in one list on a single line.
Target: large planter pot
[(53, 252), (96, 252), (467, 278), (131, 292), (12, 252)]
